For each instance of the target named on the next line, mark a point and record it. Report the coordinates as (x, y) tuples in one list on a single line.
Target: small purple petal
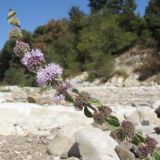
[(58, 99), (33, 59), (47, 74)]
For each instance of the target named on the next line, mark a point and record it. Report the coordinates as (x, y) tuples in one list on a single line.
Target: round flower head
[(48, 74), (21, 48), (33, 59), (99, 118), (105, 110), (128, 129), (15, 33)]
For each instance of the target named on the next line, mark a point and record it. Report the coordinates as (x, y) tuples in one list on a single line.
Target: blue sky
[(33, 13)]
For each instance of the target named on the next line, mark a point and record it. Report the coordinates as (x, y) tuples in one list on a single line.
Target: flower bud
[(21, 48), (15, 33)]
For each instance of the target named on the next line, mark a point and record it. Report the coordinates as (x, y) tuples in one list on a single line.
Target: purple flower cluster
[(21, 48), (33, 59), (47, 74), (145, 149), (58, 98)]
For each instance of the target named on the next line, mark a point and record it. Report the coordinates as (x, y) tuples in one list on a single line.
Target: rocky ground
[(41, 130)]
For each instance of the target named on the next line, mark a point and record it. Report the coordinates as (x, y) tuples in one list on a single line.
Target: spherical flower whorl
[(85, 95), (143, 151), (80, 103), (105, 110), (33, 59), (48, 74), (151, 143), (128, 129), (15, 33), (99, 118), (147, 148), (21, 48)]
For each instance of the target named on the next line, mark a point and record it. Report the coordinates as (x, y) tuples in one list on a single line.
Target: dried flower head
[(120, 135), (105, 110), (21, 48), (85, 95), (48, 74), (64, 87), (143, 151), (33, 59), (80, 103), (15, 33), (99, 118), (151, 143), (128, 129), (147, 148)]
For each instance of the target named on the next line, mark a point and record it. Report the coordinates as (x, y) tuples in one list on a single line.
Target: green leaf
[(87, 113), (112, 123), (155, 155), (68, 98), (94, 101), (75, 90), (138, 137)]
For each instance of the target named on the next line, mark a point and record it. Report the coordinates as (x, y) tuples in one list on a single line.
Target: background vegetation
[(89, 42)]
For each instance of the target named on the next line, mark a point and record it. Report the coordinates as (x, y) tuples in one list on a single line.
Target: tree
[(128, 20), (96, 5), (5, 58), (75, 15), (152, 16)]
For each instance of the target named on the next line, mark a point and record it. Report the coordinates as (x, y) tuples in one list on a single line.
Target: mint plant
[(52, 75)]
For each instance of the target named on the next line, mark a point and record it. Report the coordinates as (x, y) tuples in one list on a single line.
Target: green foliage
[(152, 17), (90, 42), (121, 73), (15, 76), (138, 137), (112, 123), (94, 101), (87, 112), (155, 155), (69, 98)]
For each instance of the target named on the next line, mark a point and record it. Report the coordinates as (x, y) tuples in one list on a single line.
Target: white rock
[(156, 104), (95, 144), (59, 145), (143, 114), (147, 113), (31, 118)]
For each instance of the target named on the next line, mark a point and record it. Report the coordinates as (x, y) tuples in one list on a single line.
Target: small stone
[(59, 145), (124, 154), (145, 123), (64, 156), (72, 158), (31, 99), (157, 111)]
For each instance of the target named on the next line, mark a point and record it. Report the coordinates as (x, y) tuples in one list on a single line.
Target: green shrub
[(16, 76), (121, 73)]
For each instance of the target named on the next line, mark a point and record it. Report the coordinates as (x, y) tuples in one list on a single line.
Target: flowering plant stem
[(51, 75)]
